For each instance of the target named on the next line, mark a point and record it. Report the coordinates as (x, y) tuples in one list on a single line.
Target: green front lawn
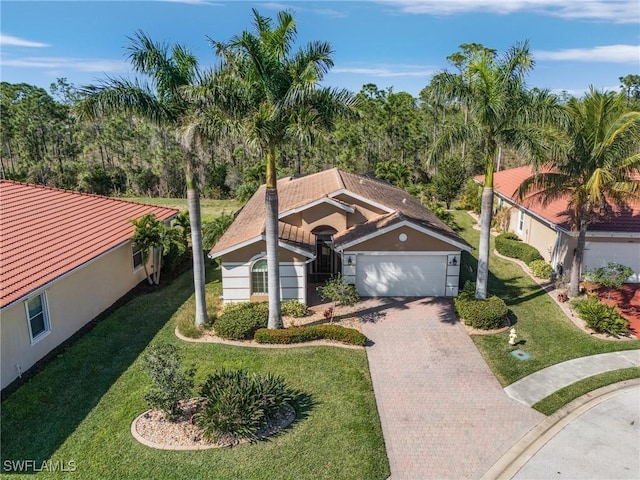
[(548, 335), (210, 208), (80, 407)]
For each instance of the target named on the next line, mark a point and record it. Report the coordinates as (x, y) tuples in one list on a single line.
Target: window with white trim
[(37, 316), (259, 278), (136, 253), (520, 221)]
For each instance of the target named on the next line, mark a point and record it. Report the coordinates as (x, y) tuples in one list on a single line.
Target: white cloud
[(387, 71), (607, 53), (329, 12), (617, 11), (68, 63), (11, 41)]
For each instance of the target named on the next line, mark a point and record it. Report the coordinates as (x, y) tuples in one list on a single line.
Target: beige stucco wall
[(364, 211), (416, 242), (324, 214), (72, 302), (540, 236)]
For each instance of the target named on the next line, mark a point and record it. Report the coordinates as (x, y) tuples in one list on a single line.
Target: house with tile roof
[(615, 237), (65, 257), (377, 236)]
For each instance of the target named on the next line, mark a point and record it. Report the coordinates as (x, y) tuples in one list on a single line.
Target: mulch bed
[(154, 430)]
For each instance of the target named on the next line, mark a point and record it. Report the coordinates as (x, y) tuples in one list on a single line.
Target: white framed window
[(520, 221), (136, 253), (259, 278), (37, 317)]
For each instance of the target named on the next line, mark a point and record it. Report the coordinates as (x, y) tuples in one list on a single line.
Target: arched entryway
[(327, 261)]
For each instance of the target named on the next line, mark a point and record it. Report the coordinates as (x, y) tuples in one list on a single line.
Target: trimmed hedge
[(509, 247), (293, 308), (540, 269), (484, 314), (239, 321), (312, 332)]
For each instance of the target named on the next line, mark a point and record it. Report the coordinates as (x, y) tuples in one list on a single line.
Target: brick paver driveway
[(443, 413)]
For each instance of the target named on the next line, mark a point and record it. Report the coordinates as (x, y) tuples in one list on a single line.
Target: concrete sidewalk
[(533, 388), (573, 441)]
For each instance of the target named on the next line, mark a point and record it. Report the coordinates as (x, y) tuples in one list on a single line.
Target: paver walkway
[(443, 413), (533, 388)]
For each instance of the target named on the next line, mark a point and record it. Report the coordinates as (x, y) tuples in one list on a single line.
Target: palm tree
[(162, 102), (598, 170), (281, 102), (501, 112)]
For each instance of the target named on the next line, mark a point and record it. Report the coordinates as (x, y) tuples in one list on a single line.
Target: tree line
[(43, 141), (263, 111)]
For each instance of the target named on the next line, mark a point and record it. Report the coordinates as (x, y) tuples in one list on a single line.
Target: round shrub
[(484, 314), (540, 269), (237, 404), (313, 332), (239, 321), (510, 236), (293, 308)]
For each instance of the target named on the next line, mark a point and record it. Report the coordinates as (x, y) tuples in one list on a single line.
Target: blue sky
[(398, 44)]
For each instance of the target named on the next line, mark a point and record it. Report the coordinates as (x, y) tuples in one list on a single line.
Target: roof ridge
[(83, 194), (341, 183)]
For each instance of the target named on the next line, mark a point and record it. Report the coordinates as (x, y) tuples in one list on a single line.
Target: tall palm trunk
[(576, 263), (271, 231), (195, 222), (486, 212)]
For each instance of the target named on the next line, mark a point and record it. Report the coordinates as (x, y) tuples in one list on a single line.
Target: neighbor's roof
[(48, 232), (295, 192), (507, 182)]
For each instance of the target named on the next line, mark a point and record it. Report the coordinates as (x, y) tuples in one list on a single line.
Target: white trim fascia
[(295, 250), (434, 253), (344, 191), (404, 223), (66, 274), (612, 234), (235, 247), (306, 206)]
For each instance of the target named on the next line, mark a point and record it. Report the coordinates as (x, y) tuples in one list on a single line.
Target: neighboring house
[(65, 257), (377, 236), (613, 238)]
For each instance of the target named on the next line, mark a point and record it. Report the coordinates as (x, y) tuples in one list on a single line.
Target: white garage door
[(401, 275), (598, 254)]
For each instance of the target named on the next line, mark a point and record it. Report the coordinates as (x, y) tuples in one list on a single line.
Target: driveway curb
[(512, 461)]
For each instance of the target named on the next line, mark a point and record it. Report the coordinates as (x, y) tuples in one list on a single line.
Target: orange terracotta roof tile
[(622, 218), (47, 232), (294, 192)]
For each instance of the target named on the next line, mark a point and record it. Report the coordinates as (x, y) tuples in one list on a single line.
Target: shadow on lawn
[(507, 289), (39, 416)]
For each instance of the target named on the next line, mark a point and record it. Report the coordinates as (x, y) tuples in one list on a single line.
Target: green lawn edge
[(554, 402), (543, 329), (80, 406)]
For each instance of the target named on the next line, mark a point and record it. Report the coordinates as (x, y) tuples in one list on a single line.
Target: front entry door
[(327, 262)]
